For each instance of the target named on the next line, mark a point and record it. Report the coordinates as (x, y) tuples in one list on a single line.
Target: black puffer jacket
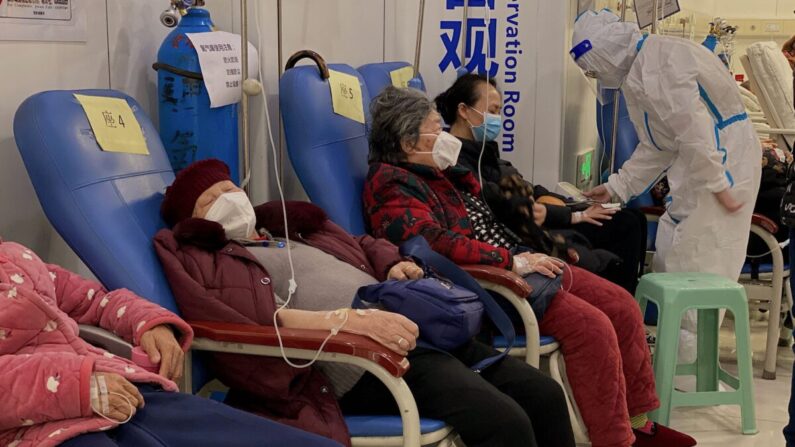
[(494, 169)]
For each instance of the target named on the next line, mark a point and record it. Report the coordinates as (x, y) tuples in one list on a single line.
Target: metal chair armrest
[(106, 340), (513, 288), (765, 223), (302, 344), (771, 131), (499, 276), (304, 339)]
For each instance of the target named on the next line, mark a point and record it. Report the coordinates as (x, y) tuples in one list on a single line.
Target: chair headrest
[(104, 204), (378, 76), (328, 151)]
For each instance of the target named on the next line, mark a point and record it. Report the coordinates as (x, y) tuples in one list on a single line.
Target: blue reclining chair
[(379, 75), (106, 206), (768, 282), (329, 153), (333, 144)]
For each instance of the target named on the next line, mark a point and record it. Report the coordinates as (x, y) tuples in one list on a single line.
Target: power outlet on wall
[(585, 169)]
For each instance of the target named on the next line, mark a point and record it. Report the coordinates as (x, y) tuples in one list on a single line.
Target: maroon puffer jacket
[(215, 279)]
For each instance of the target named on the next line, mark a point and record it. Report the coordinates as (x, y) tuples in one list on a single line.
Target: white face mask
[(445, 150), (234, 212)]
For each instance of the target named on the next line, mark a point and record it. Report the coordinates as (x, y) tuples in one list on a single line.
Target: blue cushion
[(521, 341), (371, 426), (763, 268), (328, 151), (377, 76)]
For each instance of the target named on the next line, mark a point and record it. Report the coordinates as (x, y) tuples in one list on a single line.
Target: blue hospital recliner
[(106, 206), (377, 76), (329, 154)]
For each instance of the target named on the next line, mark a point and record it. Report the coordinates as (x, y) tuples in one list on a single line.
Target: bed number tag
[(114, 124), (346, 95)]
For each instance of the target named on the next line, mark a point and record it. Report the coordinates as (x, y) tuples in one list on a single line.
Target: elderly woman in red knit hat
[(223, 265)]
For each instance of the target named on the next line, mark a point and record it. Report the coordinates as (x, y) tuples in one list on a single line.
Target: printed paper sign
[(401, 76), (44, 20), (346, 95), (114, 124), (37, 9), (221, 61), (644, 10)]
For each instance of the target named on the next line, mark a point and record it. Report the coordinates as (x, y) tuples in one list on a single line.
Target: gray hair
[(397, 115)]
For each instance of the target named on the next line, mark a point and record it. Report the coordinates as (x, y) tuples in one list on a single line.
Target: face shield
[(605, 47), (605, 92)]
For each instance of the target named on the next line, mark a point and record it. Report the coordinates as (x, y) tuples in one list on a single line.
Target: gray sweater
[(324, 283)]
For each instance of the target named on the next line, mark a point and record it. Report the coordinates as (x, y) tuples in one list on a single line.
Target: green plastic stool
[(674, 293)]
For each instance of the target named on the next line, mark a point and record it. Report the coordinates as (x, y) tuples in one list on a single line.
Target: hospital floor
[(720, 426)]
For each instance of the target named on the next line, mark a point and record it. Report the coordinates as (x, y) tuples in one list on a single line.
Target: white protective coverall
[(692, 127)]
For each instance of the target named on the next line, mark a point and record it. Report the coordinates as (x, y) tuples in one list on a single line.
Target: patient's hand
[(121, 394), (594, 215), (405, 270), (161, 347), (394, 331)]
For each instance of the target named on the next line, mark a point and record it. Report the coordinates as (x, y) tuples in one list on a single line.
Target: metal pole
[(280, 161), (616, 100), (244, 96), (655, 16), (419, 40), (465, 40)]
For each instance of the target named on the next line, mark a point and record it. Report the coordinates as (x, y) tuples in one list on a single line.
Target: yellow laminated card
[(402, 76), (346, 95), (114, 124)]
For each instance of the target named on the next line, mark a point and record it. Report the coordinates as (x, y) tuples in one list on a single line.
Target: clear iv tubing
[(293, 285)]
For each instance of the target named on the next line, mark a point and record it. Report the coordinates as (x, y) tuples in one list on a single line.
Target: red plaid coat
[(407, 200)]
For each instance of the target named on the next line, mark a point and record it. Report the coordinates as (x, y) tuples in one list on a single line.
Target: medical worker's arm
[(640, 172)]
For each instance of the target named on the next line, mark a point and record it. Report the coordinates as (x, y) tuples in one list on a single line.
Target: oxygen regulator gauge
[(178, 8)]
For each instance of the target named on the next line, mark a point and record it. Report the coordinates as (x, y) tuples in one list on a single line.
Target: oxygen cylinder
[(189, 128)]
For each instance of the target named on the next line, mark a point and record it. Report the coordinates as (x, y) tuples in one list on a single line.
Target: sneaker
[(651, 340), (656, 435)]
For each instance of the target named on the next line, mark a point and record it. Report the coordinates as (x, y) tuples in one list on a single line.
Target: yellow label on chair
[(402, 76), (346, 95), (114, 124)]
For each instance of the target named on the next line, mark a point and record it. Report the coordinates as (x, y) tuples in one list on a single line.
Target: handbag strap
[(418, 249)]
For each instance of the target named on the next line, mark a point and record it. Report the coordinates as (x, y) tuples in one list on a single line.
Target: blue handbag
[(418, 249), (448, 315)]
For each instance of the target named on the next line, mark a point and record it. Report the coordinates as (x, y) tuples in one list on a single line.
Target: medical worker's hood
[(605, 46)]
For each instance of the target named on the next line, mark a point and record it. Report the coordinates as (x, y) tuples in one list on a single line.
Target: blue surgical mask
[(491, 127)]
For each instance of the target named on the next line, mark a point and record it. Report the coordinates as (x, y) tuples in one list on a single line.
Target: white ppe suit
[(692, 127)]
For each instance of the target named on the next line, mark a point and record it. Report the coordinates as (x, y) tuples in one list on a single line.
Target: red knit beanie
[(189, 184)]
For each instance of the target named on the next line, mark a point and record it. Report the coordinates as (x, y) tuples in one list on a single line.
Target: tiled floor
[(720, 426)]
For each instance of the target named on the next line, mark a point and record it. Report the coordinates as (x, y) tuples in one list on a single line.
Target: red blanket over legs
[(601, 333)]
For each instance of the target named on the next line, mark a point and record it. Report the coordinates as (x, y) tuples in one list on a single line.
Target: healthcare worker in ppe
[(693, 128)]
